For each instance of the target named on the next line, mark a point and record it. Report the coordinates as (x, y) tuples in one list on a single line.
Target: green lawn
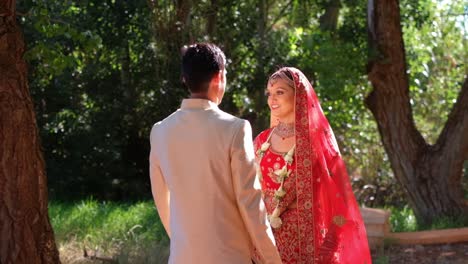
[(131, 233)]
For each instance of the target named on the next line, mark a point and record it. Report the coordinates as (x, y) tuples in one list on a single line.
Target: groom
[(203, 174)]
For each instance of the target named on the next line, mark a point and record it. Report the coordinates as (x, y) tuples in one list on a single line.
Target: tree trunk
[(430, 174), (128, 89), (171, 27), (260, 72), (26, 235), (212, 19), (329, 20)]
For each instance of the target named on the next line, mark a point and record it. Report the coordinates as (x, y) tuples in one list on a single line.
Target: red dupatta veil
[(331, 229)]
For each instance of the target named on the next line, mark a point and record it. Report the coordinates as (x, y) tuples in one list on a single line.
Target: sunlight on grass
[(404, 220), (129, 233)]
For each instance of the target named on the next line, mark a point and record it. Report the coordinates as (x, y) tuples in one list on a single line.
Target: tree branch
[(453, 139), (387, 73), (280, 15), (23, 14)]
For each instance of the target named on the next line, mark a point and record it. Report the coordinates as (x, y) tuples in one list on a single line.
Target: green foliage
[(92, 77), (403, 220), (436, 48), (102, 72)]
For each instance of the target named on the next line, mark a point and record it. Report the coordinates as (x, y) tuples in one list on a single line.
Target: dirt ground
[(394, 254), (422, 254)]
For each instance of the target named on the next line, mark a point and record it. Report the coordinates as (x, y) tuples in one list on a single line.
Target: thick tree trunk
[(26, 235), (430, 174)]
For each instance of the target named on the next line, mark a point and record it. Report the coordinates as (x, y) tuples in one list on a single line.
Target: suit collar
[(198, 104)]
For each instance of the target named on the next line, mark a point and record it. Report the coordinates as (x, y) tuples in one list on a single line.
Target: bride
[(306, 189)]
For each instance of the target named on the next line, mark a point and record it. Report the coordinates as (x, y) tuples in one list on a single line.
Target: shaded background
[(102, 72)]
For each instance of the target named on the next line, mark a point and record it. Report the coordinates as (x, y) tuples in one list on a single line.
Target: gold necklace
[(284, 130)]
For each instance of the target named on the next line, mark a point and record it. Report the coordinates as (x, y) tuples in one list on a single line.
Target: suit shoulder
[(157, 126), (165, 120), (229, 118), (233, 123)]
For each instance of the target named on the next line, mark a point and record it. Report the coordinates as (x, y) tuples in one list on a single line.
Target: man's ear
[(216, 79), (218, 76)]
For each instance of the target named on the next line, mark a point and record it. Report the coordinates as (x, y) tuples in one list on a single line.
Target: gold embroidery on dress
[(339, 220)]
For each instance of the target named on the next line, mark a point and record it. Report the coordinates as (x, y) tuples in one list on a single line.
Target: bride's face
[(281, 100)]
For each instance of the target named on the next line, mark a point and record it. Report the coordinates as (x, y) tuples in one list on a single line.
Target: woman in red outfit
[(306, 189)]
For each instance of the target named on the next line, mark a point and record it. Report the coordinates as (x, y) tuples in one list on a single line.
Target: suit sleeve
[(257, 143), (248, 194), (161, 194)]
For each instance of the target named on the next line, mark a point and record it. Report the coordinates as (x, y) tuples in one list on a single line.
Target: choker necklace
[(284, 130)]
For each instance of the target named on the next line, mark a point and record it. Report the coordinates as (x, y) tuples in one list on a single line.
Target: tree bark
[(26, 235), (212, 19), (259, 98), (329, 20), (171, 27), (430, 174)]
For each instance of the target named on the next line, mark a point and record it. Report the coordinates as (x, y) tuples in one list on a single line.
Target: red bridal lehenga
[(321, 221)]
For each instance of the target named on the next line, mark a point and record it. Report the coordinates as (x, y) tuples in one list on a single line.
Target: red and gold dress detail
[(270, 162), (320, 218)]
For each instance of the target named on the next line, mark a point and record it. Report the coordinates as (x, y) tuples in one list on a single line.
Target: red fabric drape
[(331, 229)]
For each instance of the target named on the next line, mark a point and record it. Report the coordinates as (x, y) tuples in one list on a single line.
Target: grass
[(128, 233), (132, 233), (382, 260), (404, 220)]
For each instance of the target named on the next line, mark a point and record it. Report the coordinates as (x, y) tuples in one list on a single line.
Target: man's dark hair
[(200, 62)]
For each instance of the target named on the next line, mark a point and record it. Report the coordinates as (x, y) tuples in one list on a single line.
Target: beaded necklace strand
[(281, 175)]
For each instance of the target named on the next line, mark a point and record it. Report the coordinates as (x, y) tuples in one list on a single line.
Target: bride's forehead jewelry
[(273, 80), (286, 76)]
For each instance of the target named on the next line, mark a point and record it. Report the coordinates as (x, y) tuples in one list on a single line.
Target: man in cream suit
[(203, 174)]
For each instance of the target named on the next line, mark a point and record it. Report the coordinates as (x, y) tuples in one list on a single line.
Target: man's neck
[(203, 96)]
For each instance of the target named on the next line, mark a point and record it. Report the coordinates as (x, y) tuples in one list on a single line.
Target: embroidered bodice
[(270, 162)]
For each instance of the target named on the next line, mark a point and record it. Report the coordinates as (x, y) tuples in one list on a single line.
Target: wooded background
[(391, 76), (101, 73)]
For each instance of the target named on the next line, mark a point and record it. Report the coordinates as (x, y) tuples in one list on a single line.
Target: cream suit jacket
[(204, 185)]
